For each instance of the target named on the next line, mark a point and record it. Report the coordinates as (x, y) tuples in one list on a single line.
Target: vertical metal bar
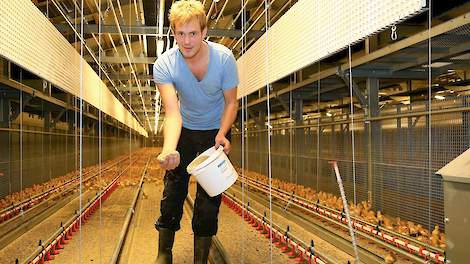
[(47, 120), (5, 151), (374, 147), (398, 118), (465, 124), (3, 67), (20, 111), (297, 136)]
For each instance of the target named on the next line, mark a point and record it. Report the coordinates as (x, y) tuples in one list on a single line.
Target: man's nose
[(186, 39)]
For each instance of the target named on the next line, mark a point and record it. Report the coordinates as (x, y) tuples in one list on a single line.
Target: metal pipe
[(210, 10), (142, 22), (71, 220), (161, 13), (218, 17), (118, 26), (246, 22), (251, 26), (237, 16), (48, 133), (161, 10), (129, 215), (136, 12), (363, 119), (142, 17), (118, 2)]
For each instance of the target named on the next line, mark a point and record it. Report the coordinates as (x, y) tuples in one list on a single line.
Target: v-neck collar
[(208, 65)]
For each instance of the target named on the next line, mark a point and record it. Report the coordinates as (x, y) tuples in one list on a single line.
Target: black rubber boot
[(201, 249), (166, 238)]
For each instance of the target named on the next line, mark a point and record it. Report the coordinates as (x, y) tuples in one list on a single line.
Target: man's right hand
[(169, 159)]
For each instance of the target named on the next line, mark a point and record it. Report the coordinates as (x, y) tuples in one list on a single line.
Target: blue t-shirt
[(201, 102)]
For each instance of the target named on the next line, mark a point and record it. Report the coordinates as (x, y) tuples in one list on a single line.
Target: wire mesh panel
[(405, 183), (4, 163), (391, 156)]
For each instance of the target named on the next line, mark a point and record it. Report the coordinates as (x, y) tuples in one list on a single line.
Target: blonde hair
[(184, 11)]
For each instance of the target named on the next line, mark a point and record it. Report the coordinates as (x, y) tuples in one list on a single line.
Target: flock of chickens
[(361, 210), (96, 183), (35, 189)]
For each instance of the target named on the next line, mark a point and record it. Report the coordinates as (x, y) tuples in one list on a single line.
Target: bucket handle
[(220, 148)]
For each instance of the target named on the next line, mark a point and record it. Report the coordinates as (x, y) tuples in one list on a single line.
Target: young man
[(197, 82)]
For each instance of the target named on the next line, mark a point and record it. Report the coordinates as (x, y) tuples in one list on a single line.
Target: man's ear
[(204, 32)]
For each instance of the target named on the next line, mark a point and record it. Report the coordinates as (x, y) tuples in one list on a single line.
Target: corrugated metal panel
[(298, 38), (42, 50)]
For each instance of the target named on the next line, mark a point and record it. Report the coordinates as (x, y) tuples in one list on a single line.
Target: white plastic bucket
[(213, 171)]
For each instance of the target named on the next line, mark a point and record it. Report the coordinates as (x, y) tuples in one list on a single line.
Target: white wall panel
[(312, 30), (28, 39)]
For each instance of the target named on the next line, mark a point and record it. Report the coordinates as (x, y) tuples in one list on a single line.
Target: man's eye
[(192, 34)]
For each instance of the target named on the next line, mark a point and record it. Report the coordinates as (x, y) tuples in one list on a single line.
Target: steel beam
[(3, 67), (388, 74), (373, 97), (123, 60), (153, 30), (298, 111), (137, 101), (4, 111), (465, 46), (374, 142), (57, 118), (283, 104), (259, 119), (15, 86), (140, 111), (134, 88), (47, 120), (126, 77), (356, 90)]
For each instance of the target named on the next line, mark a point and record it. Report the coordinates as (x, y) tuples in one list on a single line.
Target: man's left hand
[(222, 140)]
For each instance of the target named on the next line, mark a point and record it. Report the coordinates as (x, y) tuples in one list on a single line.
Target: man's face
[(189, 37)]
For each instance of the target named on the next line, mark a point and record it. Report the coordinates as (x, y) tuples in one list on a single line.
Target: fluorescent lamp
[(437, 64)]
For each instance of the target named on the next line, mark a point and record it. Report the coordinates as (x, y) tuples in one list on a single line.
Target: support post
[(3, 67), (298, 135), (47, 119), (466, 122), (5, 150), (375, 142)]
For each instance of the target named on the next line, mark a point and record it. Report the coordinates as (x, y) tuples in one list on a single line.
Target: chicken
[(390, 258)]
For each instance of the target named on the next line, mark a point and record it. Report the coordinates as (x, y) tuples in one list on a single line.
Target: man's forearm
[(171, 132), (228, 117)]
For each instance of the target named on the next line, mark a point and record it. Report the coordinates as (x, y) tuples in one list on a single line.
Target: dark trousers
[(206, 208)]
